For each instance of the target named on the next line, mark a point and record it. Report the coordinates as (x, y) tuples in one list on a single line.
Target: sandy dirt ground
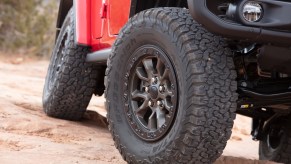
[(28, 136)]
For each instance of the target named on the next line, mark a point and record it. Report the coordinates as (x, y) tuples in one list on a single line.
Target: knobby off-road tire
[(276, 146), (199, 115), (70, 81)]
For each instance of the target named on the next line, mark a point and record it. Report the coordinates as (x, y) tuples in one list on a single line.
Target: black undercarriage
[(260, 37), (264, 95)]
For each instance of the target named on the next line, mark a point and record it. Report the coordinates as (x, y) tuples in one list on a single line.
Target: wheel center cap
[(153, 92)]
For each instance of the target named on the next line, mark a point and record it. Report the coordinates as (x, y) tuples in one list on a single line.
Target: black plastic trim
[(100, 56), (64, 8), (133, 8), (264, 96), (253, 113), (213, 23), (280, 100)]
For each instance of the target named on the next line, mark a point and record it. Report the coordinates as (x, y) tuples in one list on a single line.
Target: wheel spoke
[(137, 95), (141, 111), (149, 67), (168, 105), (152, 124), (168, 91), (161, 118), (141, 74), (165, 74), (144, 84)]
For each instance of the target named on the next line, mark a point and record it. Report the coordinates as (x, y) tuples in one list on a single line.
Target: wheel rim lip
[(58, 61), (139, 127)]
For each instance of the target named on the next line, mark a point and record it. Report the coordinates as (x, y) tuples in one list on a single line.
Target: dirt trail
[(28, 136)]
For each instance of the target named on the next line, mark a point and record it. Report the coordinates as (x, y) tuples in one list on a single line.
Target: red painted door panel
[(83, 24), (97, 22), (119, 14)]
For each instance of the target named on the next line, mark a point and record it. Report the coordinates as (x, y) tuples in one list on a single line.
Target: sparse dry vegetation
[(27, 26)]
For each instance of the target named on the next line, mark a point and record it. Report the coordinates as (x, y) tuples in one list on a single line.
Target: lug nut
[(154, 80), (146, 89), (151, 103), (162, 88), (160, 103)]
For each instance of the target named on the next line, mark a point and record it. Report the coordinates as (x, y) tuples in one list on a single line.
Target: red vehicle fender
[(99, 21)]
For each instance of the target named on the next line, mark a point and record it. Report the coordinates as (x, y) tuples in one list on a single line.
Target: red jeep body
[(99, 21)]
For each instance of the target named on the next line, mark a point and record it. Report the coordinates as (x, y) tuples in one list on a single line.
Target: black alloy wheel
[(153, 93)]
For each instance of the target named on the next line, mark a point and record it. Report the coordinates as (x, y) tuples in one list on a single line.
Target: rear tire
[(70, 81), (201, 83), (276, 145)]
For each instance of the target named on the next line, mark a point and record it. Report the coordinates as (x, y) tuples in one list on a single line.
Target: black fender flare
[(200, 12), (64, 8)]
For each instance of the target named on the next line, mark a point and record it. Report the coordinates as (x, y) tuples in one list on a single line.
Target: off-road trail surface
[(28, 136)]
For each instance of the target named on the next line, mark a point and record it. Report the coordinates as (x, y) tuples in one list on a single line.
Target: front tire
[(70, 81), (187, 120)]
